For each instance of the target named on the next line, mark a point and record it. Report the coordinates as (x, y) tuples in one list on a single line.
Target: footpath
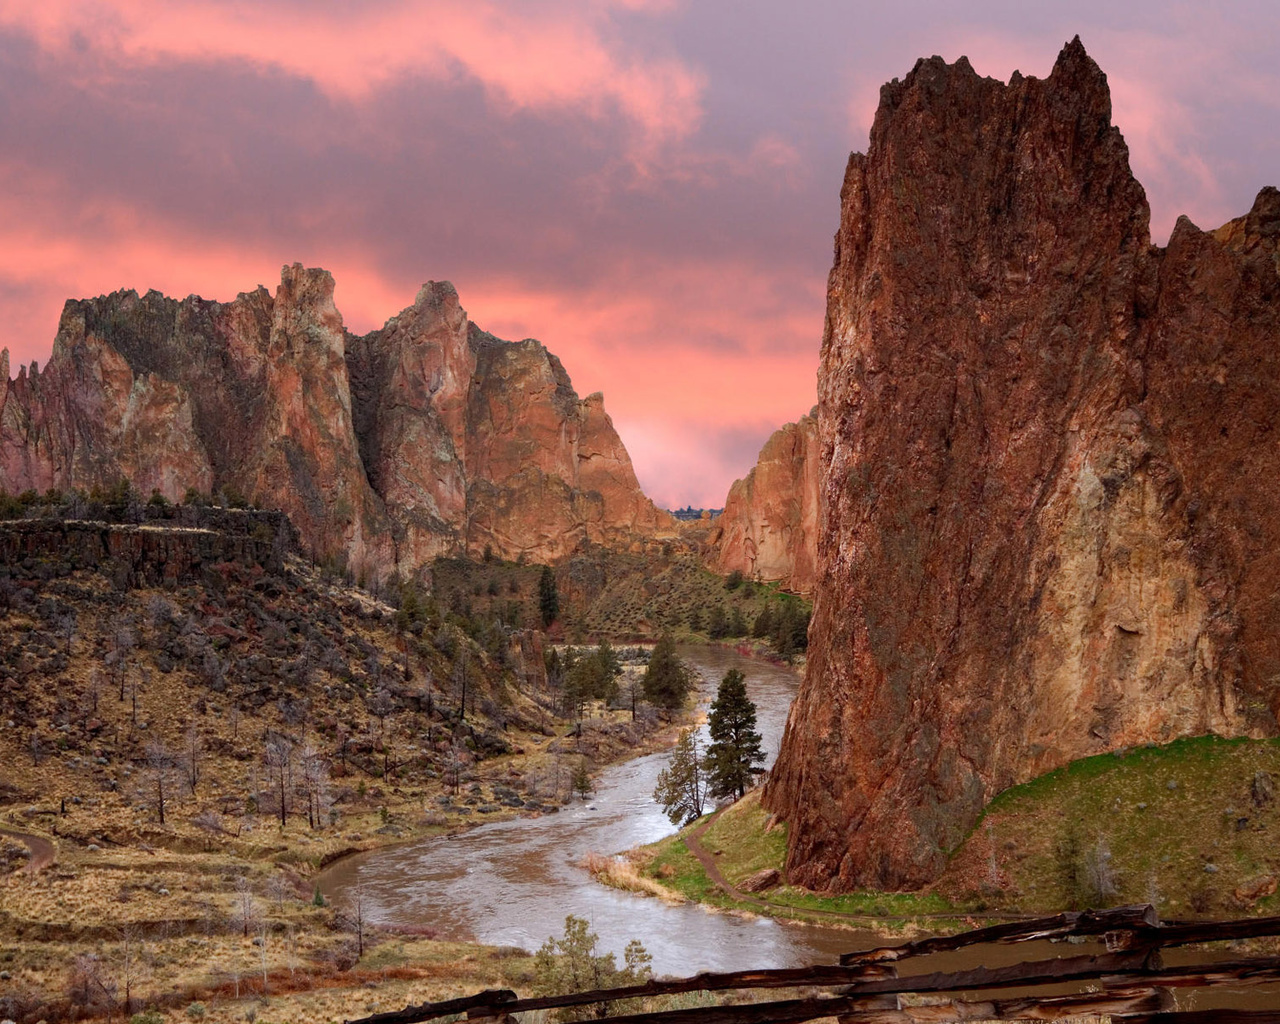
[(693, 838)]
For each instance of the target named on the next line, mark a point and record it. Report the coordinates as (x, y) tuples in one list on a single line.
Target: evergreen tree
[(734, 757), (682, 785), (763, 626), (737, 623), (695, 620), (548, 596), (582, 780), (593, 677), (717, 624), (666, 680)]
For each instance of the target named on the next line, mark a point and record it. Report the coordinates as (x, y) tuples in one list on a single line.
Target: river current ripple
[(512, 882)]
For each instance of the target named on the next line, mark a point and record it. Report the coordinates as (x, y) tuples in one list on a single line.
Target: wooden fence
[(1129, 981)]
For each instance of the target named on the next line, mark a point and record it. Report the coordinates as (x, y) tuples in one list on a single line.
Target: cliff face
[(421, 438), (1051, 518), (769, 527)]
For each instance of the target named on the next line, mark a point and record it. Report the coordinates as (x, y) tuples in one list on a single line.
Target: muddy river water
[(513, 882)]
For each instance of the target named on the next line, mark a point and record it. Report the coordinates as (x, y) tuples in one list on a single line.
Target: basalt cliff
[(426, 437), (1050, 518), (769, 527)]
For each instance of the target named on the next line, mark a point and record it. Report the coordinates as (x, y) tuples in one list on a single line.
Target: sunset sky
[(650, 187)]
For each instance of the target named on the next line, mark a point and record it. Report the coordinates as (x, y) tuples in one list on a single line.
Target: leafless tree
[(122, 646), (460, 678), (264, 932), (160, 767), (129, 957), (380, 705), (357, 905), (67, 628), (97, 683), (33, 744), (278, 888), (91, 984), (278, 755), (314, 774), (246, 905), (191, 751)]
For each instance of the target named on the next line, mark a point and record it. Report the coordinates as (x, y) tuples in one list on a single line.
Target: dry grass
[(626, 872)]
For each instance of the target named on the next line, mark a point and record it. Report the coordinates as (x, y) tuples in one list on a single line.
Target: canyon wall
[(424, 437), (769, 527), (1051, 516)]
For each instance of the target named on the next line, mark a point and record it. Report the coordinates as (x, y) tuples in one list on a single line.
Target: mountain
[(769, 527), (1051, 516), (425, 437)]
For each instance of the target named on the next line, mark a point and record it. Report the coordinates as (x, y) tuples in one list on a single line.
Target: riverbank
[(191, 914), (733, 861), (1186, 826)]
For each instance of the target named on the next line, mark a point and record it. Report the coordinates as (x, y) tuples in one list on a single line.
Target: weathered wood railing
[(1129, 982)]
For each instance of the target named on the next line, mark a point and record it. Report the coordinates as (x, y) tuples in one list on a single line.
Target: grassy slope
[(176, 882), (1179, 820), (1199, 847)]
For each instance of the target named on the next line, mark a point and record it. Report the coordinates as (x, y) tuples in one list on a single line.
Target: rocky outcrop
[(1051, 516), (161, 550), (424, 437), (769, 527)]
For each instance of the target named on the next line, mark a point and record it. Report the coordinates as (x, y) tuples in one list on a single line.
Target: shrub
[(196, 1011)]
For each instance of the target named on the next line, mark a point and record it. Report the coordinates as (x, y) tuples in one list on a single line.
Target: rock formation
[(1051, 517), (769, 527), (424, 437)]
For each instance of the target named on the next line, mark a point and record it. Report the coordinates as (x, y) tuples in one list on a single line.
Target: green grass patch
[(678, 869), (1177, 825)]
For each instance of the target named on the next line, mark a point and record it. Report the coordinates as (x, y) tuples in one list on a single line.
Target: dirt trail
[(708, 862), (43, 852)]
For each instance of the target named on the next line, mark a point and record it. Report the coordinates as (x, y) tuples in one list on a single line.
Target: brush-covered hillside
[(194, 719)]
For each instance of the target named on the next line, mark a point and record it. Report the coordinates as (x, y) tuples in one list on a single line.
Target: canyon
[(1050, 516), (426, 437)]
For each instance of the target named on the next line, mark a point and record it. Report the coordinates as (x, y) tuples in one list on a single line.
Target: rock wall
[(424, 437), (1051, 516), (152, 553), (769, 527)]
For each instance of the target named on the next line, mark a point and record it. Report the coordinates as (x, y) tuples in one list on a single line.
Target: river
[(512, 882)]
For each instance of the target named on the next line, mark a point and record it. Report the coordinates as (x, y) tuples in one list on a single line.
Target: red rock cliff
[(769, 527), (421, 438), (1051, 519)]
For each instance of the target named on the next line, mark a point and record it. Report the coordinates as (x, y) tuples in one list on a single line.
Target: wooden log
[(1192, 932), (1204, 1017), (1029, 1008), (789, 977), (448, 1007), (1087, 922)]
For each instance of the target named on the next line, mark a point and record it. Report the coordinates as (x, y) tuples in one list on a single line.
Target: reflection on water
[(513, 882)]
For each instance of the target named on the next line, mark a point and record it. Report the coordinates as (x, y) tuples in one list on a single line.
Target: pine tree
[(666, 680), (682, 785), (734, 757), (763, 626), (582, 780), (548, 596)]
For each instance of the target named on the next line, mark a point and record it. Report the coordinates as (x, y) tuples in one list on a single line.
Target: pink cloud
[(526, 57)]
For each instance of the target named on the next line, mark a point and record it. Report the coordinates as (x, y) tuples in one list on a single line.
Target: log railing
[(1129, 982)]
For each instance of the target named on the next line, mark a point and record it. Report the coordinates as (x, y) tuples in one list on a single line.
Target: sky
[(650, 187)]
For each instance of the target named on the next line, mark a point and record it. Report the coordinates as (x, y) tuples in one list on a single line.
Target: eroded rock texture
[(425, 437), (769, 527), (1051, 520)]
